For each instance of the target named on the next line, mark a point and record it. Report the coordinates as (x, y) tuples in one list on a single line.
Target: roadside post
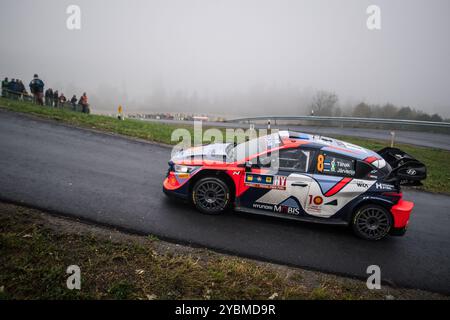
[(392, 138), (120, 113), (252, 129)]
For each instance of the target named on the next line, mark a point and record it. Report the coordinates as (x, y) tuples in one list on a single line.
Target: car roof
[(326, 144)]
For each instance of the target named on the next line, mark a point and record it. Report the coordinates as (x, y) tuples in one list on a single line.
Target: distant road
[(424, 139), (116, 181)]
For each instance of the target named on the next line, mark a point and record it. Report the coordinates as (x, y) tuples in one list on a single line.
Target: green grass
[(36, 249), (436, 160), (34, 258)]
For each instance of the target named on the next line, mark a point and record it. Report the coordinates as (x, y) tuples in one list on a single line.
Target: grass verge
[(36, 248), (436, 160)]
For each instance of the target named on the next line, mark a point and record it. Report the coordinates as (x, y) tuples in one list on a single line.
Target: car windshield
[(252, 147)]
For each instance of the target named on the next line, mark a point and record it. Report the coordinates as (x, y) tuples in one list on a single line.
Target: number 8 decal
[(320, 160)]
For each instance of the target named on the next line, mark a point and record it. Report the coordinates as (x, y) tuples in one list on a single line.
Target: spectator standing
[(55, 98), (62, 100), (73, 101), (84, 103), (13, 89), (21, 88), (5, 86), (37, 89), (48, 97)]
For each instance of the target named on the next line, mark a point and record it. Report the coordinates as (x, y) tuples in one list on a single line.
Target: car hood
[(215, 150)]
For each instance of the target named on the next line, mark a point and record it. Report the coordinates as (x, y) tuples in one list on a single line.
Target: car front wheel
[(372, 222), (211, 195)]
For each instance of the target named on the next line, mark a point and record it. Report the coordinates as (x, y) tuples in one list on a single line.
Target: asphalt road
[(424, 139), (117, 182)]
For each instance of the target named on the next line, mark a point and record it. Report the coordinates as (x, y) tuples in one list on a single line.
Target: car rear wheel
[(211, 195), (372, 222)]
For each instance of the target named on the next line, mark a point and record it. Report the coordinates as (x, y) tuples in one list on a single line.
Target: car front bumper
[(175, 191)]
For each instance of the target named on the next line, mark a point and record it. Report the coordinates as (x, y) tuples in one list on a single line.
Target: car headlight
[(184, 169)]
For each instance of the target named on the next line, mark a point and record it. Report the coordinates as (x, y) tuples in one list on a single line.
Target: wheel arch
[(216, 174), (353, 209)]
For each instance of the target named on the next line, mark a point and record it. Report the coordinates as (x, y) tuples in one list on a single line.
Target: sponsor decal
[(286, 209), (336, 165), (411, 172), (315, 203), (277, 208), (280, 181), (263, 206), (362, 184), (318, 200), (383, 186), (333, 165), (265, 181)]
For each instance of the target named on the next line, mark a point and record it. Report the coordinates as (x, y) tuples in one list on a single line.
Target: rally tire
[(372, 222), (211, 195)]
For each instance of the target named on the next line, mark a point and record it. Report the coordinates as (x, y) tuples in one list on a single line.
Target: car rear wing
[(406, 170)]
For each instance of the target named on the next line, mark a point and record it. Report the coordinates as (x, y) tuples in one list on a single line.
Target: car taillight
[(395, 196)]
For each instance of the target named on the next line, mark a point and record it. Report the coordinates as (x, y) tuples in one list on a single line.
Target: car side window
[(294, 159), (336, 165)]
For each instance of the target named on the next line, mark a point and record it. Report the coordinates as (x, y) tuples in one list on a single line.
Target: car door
[(283, 191), (334, 185)]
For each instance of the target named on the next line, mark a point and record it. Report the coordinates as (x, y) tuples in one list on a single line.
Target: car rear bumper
[(401, 213)]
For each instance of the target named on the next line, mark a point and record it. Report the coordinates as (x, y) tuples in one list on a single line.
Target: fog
[(232, 57)]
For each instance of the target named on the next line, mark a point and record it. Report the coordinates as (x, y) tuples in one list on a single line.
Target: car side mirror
[(248, 165)]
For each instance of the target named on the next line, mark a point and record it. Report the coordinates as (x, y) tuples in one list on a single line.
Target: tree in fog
[(362, 110), (388, 111), (324, 103), (405, 113), (437, 118)]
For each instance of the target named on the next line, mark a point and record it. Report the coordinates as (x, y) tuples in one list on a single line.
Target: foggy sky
[(139, 53)]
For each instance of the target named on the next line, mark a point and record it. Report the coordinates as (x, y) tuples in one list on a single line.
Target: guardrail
[(345, 120), (15, 95)]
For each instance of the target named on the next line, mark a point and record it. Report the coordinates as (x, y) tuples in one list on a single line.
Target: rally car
[(311, 178)]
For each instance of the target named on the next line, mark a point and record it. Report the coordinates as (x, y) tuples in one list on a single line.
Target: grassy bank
[(133, 128), (437, 161), (36, 248)]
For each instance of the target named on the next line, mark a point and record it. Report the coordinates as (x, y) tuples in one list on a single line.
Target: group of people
[(15, 89), (54, 99)]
